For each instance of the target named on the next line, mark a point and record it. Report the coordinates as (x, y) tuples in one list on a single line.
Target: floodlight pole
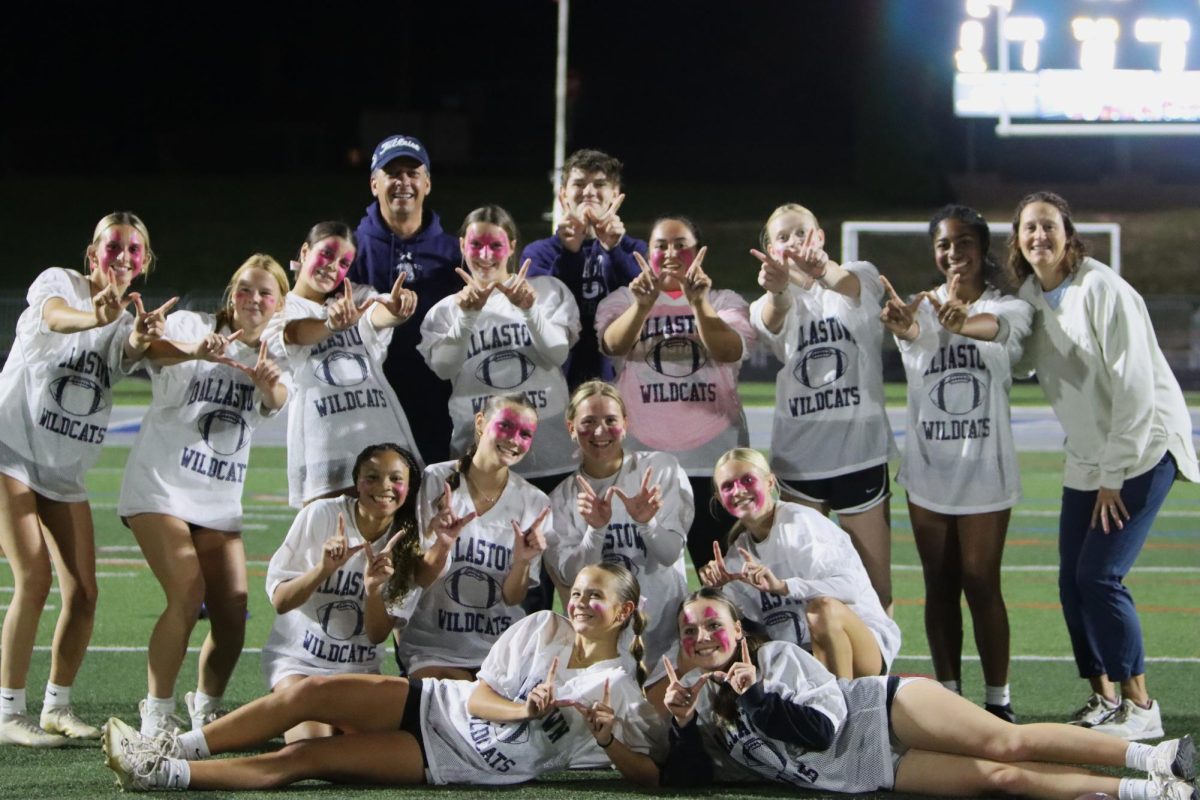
[(560, 110)]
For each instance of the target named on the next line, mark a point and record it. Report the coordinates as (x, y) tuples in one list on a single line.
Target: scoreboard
[(1080, 67)]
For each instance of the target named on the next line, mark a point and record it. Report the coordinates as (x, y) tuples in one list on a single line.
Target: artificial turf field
[(1165, 583)]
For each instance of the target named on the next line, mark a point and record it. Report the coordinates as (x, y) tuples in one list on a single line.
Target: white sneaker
[(155, 724), (139, 765), (1173, 789), (1093, 712), (1132, 722), (1174, 758), (64, 720), (21, 729), (200, 718)]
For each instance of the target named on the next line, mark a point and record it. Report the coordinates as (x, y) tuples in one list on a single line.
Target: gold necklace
[(488, 500)]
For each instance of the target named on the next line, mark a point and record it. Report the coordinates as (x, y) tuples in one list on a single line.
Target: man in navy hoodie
[(399, 235), (589, 252)]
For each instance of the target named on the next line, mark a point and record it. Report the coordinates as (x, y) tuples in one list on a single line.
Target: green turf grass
[(112, 682)]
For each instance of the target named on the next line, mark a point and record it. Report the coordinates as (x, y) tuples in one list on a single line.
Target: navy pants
[(1106, 634)]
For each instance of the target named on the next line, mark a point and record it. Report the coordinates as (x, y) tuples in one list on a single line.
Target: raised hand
[(608, 227), (952, 314), (759, 575), (517, 288), (696, 282), (214, 345), (774, 275), (572, 230), (596, 510), (810, 259), (108, 305), (897, 316), (642, 506), (529, 543), (741, 675), (645, 287), (681, 700), (599, 716), (715, 573), (400, 302), (265, 373), (379, 565), (474, 295), (344, 313), (336, 550), (150, 325), (540, 700), (446, 527)]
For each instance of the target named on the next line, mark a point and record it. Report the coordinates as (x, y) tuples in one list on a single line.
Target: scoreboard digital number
[(1080, 67)]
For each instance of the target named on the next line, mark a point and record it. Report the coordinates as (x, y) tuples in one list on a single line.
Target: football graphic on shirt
[(786, 626), (78, 395), (506, 369), (762, 756), (677, 357), (622, 559), (341, 620), (958, 393), (224, 431), (341, 368), (820, 366), (511, 732), (473, 588)]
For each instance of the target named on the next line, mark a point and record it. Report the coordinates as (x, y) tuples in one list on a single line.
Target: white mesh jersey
[(462, 613), (680, 400), (653, 552), (959, 456), (56, 390), (860, 758), (830, 417), (504, 350), (325, 635), (343, 401), (815, 558), (465, 749), (190, 457)]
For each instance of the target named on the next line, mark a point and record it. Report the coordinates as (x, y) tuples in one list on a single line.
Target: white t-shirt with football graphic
[(654, 552), (830, 415), (325, 635), (462, 613), (815, 558), (679, 399), (959, 456), (462, 748), (343, 401), (190, 457), (56, 390), (504, 350)]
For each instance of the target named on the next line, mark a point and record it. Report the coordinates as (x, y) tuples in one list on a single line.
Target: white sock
[(12, 702), (997, 695), (194, 745), (56, 696), (953, 685), (1138, 756), (205, 703), (174, 773), (160, 705), (1135, 789)]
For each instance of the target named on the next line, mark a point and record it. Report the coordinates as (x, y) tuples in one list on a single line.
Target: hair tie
[(641, 603)]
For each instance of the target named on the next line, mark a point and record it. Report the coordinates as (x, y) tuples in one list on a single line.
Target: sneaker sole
[(1184, 765), (111, 761), (63, 732)]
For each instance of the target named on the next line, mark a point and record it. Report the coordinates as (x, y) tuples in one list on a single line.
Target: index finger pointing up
[(616, 203), (524, 269), (262, 350), (399, 284), (718, 556), (550, 674), (670, 669), (606, 697), (642, 263), (137, 302), (952, 287), (891, 290), (746, 554), (745, 650)]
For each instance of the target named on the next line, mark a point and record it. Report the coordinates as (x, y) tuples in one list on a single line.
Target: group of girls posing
[(456, 564)]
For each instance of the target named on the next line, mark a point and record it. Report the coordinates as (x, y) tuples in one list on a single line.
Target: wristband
[(611, 738)]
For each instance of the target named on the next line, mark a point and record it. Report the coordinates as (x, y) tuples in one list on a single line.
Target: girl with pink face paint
[(552, 694), (55, 396), (345, 576), (830, 439), (336, 335), (483, 530), (504, 333), (677, 345), (747, 709), (630, 508), (215, 378), (795, 572)]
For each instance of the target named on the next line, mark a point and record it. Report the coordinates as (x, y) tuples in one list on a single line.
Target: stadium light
[(1028, 31), (1098, 42), (1171, 35)]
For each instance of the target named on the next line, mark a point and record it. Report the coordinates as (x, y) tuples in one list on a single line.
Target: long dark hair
[(993, 274), (1018, 267), (725, 703), (490, 407), (407, 552)]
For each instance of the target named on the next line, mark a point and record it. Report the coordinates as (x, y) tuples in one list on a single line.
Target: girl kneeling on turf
[(182, 490), (344, 576), (767, 710), (796, 573), (550, 693)]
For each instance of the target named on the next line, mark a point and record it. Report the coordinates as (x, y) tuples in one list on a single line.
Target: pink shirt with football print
[(679, 399)]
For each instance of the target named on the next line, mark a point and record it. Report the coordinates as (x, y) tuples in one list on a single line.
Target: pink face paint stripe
[(710, 612), (722, 638)]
